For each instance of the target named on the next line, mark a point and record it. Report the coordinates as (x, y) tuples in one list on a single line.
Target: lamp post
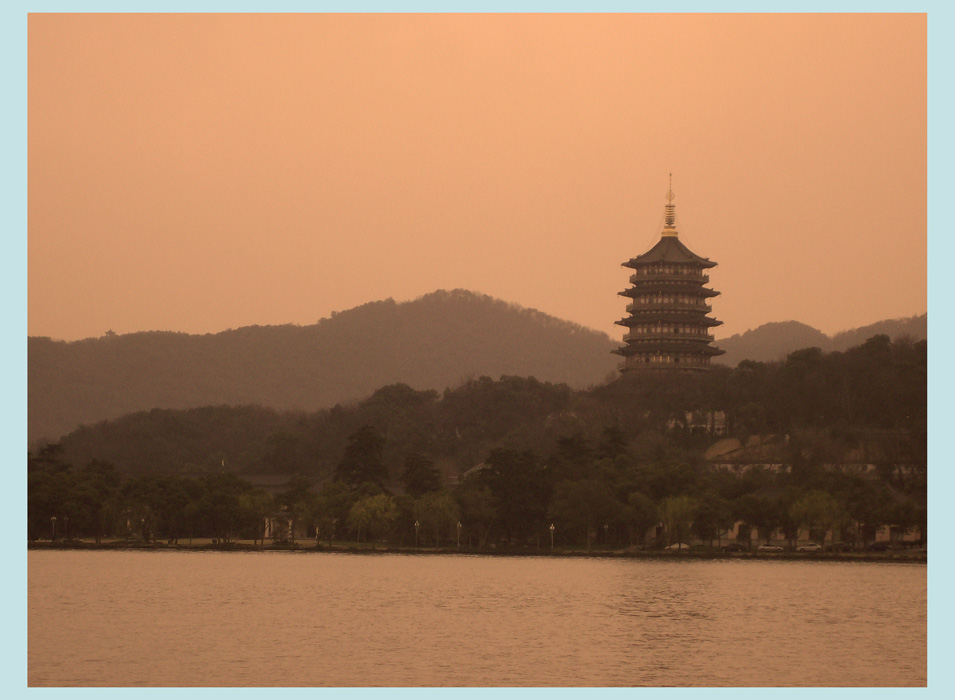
[(53, 528), (416, 524), (552, 535), (606, 535), (459, 534), (66, 523)]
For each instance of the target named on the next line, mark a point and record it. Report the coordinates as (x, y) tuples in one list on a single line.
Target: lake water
[(132, 618)]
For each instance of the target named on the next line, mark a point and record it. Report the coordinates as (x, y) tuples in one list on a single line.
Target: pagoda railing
[(677, 306), (669, 335), (644, 277)]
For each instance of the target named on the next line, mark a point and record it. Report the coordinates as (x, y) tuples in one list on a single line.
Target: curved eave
[(638, 317), (669, 249)]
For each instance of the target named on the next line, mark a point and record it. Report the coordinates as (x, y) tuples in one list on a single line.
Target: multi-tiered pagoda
[(668, 326)]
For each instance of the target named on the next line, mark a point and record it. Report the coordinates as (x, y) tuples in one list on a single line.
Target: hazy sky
[(201, 172)]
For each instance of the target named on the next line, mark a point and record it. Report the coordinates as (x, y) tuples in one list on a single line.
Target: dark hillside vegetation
[(841, 441), (878, 387)]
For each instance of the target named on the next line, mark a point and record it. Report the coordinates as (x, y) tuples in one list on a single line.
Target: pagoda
[(668, 326)]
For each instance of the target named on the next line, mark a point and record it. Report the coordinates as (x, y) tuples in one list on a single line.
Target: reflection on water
[(304, 619)]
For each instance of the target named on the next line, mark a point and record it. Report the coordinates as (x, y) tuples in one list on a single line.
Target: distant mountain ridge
[(433, 342), (773, 341)]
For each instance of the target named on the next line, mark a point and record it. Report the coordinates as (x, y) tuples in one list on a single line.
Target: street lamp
[(459, 534), (552, 535), (416, 524), (53, 528)]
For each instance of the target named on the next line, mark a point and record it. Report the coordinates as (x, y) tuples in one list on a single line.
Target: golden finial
[(669, 221)]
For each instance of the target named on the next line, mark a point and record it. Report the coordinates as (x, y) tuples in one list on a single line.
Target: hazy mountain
[(914, 326), (770, 341), (879, 399), (773, 341), (433, 342)]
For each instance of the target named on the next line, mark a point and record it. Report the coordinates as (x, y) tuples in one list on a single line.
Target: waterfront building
[(668, 326)]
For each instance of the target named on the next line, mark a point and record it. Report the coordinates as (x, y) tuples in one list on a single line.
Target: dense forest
[(506, 458)]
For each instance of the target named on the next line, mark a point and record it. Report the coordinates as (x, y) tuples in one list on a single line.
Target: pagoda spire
[(669, 218)]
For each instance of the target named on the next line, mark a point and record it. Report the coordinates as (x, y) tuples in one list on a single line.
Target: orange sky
[(201, 172)]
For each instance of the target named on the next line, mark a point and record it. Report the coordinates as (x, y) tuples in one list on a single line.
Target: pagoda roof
[(651, 315), (669, 249)]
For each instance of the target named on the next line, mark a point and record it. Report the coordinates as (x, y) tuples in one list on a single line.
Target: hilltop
[(437, 341), (773, 341), (433, 342)]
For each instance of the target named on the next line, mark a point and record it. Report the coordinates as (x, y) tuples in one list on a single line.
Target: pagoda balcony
[(644, 277), (704, 337), (666, 306)]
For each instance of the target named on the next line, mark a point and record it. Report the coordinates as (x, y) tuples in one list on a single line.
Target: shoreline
[(900, 556)]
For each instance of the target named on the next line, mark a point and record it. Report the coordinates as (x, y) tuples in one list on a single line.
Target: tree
[(362, 461), (816, 511), (517, 481), (374, 514), (48, 486), (905, 514), (712, 517), (332, 507), (613, 443), (677, 516), (759, 512), (103, 481), (583, 506), (259, 505), (868, 506), (572, 459), (299, 502), (438, 513), (419, 475), (640, 514), (478, 514), (218, 507)]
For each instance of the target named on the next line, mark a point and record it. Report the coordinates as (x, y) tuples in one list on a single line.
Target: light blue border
[(13, 26)]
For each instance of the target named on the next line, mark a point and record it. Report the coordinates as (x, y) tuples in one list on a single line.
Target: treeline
[(508, 458), (606, 492)]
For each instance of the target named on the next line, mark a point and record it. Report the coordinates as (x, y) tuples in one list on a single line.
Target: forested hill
[(814, 442), (436, 341), (773, 341), (866, 404)]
